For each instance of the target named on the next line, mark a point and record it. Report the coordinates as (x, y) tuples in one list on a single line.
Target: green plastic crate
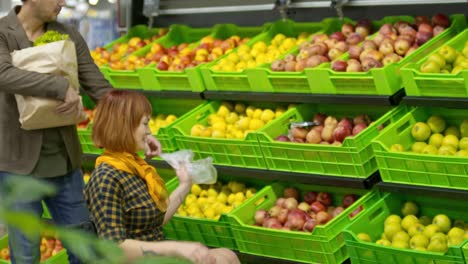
[(372, 223), (60, 258), (324, 245), (134, 79), (354, 158), (465, 252), (437, 84), (214, 233), (378, 81), (231, 152), (414, 168), (191, 79), (249, 79)]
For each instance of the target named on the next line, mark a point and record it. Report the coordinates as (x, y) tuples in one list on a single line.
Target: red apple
[(290, 57), (291, 192), (303, 206), (162, 66), (358, 128), (278, 65), (271, 223), (342, 45), (318, 49), (273, 212), (341, 132), (290, 203), (354, 39), (290, 66), (425, 28), (440, 20), (282, 138), (309, 225), (418, 20), (313, 61), (310, 197), (349, 199), (422, 37), (369, 44), (334, 53), (283, 215), (317, 207), (361, 119), (322, 217), (370, 63), (378, 39), (339, 65), (355, 51), (387, 29), (314, 137), (324, 198), (345, 122), (280, 202), (260, 216), (363, 31), (354, 67), (402, 46), (339, 36), (386, 48), (437, 30), (319, 38), (319, 118), (347, 29)]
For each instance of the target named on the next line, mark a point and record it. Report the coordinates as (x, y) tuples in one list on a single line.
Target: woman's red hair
[(117, 116)]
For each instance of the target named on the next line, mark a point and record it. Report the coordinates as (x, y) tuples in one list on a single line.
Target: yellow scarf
[(135, 165)]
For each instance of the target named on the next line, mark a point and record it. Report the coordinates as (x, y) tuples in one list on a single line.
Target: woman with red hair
[(127, 199)]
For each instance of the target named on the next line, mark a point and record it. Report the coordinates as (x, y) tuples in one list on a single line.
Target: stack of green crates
[(354, 158), (324, 245), (415, 168), (372, 220), (418, 83), (379, 81)]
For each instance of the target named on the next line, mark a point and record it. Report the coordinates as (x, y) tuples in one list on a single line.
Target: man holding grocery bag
[(47, 147)]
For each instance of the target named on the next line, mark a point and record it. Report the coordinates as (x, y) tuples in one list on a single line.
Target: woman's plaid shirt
[(121, 206)]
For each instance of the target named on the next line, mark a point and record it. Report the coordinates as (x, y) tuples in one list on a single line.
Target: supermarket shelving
[(449, 102)]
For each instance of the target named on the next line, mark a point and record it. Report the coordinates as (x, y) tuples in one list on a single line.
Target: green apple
[(416, 229), (430, 150), (425, 220), (446, 151), (409, 221), (418, 147), (449, 53), (383, 242), (438, 58), (463, 143), (443, 222), (437, 246), (464, 128), (419, 240), (439, 235), (462, 153), (430, 67), (392, 219), (391, 229), (409, 208), (436, 140), (452, 130), (436, 123), (421, 131), (364, 237), (455, 236), (430, 230), (397, 148), (400, 244), (401, 236), (451, 141)]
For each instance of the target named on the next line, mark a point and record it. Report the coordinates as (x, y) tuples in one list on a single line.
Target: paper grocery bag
[(58, 58)]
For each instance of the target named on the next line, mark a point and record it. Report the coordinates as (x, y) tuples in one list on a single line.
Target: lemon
[(195, 189), (190, 198), (212, 192), (267, 115), (243, 123), (222, 197), (239, 135), (231, 198), (233, 57), (207, 132), (239, 108), (232, 118), (223, 111), (256, 124), (239, 197), (250, 192), (257, 113), (203, 193), (227, 209), (218, 134), (197, 130), (171, 118)]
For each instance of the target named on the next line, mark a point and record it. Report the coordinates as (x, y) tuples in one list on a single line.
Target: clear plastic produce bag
[(202, 171)]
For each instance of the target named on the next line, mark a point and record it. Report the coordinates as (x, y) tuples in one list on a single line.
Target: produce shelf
[(168, 94), (307, 98), (455, 194), (449, 102), (270, 175)]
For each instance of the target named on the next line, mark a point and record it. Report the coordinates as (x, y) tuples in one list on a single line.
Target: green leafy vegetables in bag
[(50, 36)]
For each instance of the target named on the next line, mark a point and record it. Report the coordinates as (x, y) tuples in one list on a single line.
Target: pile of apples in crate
[(101, 56), (234, 121), (328, 130), (408, 231), (210, 201), (290, 213), (435, 137), (446, 60), (49, 247)]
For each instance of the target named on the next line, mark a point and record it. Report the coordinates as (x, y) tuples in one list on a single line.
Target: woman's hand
[(184, 176), (153, 147)]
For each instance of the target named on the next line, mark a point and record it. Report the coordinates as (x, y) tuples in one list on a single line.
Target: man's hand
[(153, 147), (71, 103)]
